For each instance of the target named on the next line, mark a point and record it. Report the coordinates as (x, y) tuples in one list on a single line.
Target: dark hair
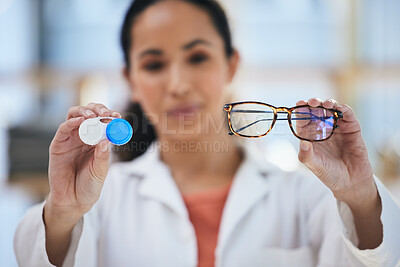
[(145, 133)]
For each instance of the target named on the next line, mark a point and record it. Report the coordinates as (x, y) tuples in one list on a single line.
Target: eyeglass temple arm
[(247, 126), (260, 111), (340, 115), (280, 119)]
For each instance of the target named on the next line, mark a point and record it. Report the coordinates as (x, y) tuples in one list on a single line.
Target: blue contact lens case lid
[(119, 131)]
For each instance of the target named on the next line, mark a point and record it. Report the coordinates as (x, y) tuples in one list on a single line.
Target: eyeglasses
[(256, 119)]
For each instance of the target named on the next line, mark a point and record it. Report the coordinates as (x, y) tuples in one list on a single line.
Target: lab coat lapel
[(251, 183), (158, 183)]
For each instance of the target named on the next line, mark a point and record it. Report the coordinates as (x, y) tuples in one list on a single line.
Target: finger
[(348, 113), (301, 102), (330, 103), (66, 128), (80, 111), (336, 103), (100, 109), (116, 114), (315, 102), (300, 113), (101, 160), (307, 157)]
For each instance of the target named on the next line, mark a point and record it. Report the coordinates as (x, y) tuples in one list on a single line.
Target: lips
[(184, 110)]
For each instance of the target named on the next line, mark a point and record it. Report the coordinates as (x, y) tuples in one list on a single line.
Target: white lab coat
[(271, 218)]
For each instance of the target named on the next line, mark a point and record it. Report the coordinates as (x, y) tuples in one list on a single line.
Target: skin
[(342, 164), (178, 60)]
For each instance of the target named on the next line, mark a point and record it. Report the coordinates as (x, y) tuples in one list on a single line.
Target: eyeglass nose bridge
[(282, 110)]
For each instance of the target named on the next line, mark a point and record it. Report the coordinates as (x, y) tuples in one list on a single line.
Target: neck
[(202, 163)]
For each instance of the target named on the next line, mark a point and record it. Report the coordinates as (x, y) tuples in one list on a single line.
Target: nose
[(179, 84)]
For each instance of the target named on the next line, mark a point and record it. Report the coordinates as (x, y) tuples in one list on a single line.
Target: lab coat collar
[(250, 184), (158, 183)]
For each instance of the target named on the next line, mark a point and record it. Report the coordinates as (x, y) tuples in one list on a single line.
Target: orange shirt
[(205, 212)]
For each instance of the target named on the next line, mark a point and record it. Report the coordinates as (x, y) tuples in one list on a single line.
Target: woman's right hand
[(76, 171)]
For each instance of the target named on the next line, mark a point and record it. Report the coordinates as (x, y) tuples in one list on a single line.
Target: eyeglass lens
[(312, 123)]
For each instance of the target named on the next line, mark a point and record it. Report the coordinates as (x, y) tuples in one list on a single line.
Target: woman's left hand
[(341, 162)]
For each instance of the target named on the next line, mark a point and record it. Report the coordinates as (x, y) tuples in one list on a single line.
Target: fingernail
[(105, 146), (305, 146), (89, 112), (115, 114), (103, 110)]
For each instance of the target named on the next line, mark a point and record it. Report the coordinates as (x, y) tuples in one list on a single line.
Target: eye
[(198, 58), (153, 66)]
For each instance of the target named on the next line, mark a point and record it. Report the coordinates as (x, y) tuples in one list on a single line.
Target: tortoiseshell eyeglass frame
[(337, 115)]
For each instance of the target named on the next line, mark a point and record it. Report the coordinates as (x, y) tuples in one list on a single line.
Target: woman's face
[(179, 70)]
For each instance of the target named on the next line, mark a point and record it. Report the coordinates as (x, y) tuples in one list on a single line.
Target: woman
[(175, 207)]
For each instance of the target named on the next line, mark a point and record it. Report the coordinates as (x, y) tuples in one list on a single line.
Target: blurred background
[(57, 54)]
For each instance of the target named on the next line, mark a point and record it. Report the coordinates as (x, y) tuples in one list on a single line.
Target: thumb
[(307, 156), (101, 160)]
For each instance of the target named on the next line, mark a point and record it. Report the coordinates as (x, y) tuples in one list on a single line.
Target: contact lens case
[(118, 131)]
